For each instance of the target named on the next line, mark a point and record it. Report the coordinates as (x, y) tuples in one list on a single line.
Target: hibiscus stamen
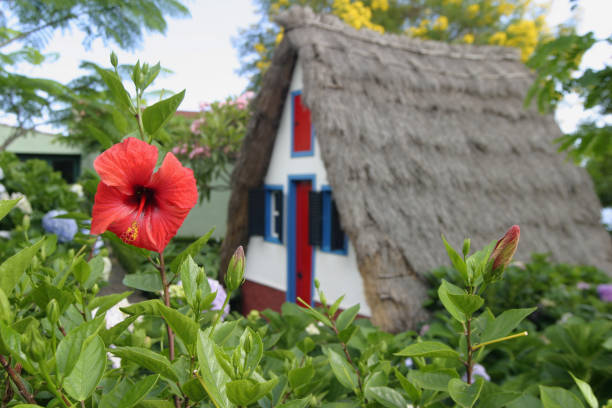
[(131, 233)]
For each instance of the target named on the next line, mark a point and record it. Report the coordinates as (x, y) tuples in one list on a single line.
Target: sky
[(199, 50)]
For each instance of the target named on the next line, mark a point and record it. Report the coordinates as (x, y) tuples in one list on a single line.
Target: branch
[(20, 386)]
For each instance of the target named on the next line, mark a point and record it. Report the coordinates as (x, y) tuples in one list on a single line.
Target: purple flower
[(64, 228), (605, 292), (217, 304), (408, 362)]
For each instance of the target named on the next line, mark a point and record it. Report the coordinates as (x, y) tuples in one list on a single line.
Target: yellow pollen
[(131, 233)]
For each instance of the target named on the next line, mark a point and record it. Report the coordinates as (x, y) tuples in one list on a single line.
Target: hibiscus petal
[(110, 205), (174, 184), (162, 223), (127, 165)]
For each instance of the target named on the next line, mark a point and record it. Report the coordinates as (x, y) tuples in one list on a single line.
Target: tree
[(27, 25), (558, 73), (514, 23)]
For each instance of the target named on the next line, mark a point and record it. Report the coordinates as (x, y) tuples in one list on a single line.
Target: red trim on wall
[(256, 296)]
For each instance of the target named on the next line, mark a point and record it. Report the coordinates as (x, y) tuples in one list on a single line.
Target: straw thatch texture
[(421, 138)]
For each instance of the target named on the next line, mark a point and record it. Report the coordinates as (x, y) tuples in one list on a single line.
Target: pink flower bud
[(505, 248)]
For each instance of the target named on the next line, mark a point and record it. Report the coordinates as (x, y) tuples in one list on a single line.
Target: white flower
[(115, 316), (1, 173), (5, 234), (2, 189), (77, 189), (477, 371), (408, 362), (108, 266), (23, 204), (312, 329)]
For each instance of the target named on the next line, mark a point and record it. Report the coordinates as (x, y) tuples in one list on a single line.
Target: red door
[(303, 250)]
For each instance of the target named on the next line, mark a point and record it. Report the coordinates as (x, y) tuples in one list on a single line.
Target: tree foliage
[(558, 73), (513, 23), (26, 26)]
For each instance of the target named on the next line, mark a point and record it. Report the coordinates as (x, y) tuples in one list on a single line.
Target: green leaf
[(346, 317), (432, 380), (213, 378), (183, 326), (297, 403), (446, 289), (120, 95), (386, 396), (5, 308), (586, 391), (456, 260), (148, 282), (88, 370), (13, 268), (192, 250), (126, 394), (109, 336), (464, 394), (503, 324), (103, 303), (194, 390), (428, 349), (146, 307), (300, 376), (467, 304), (334, 308), (413, 392), (555, 397), (253, 353), (224, 331), (27, 406), (247, 392), (345, 374), (150, 360), (6, 206), (156, 116), (155, 404), (70, 347), (314, 313)]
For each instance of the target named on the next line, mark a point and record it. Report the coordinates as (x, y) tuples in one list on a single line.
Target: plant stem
[(139, 117), (53, 388), (162, 271), (17, 381), (468, 333), (218, 317), (486, 343)]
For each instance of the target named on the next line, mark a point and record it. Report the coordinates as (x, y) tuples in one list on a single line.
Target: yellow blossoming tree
[(512, 23)]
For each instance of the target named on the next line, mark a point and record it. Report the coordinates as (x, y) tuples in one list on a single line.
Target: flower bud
[(95, 289), (316, 283), (466, 247), (113, 59), (26, 222), (503, 252), (235, 271), (53, 311)]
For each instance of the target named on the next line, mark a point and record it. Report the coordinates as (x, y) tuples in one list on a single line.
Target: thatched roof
[(421, 138)]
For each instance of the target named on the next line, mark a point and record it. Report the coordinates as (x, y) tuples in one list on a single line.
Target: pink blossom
[(200, 151), (248, 95), (182, 149), (196, 124), (222, 103), (583, 285), (241, 103), (204, 106)]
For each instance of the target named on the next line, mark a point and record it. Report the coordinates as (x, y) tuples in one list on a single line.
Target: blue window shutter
[(278, 221), (315, 218), (338, 238), (257, 212)]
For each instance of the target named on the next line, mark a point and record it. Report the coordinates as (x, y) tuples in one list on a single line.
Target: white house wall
[(266, 261)]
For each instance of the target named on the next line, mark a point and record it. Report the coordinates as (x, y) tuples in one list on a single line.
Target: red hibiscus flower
[(143, 208)]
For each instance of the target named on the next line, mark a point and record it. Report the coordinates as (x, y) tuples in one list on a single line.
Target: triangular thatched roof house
[(416, 138)]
